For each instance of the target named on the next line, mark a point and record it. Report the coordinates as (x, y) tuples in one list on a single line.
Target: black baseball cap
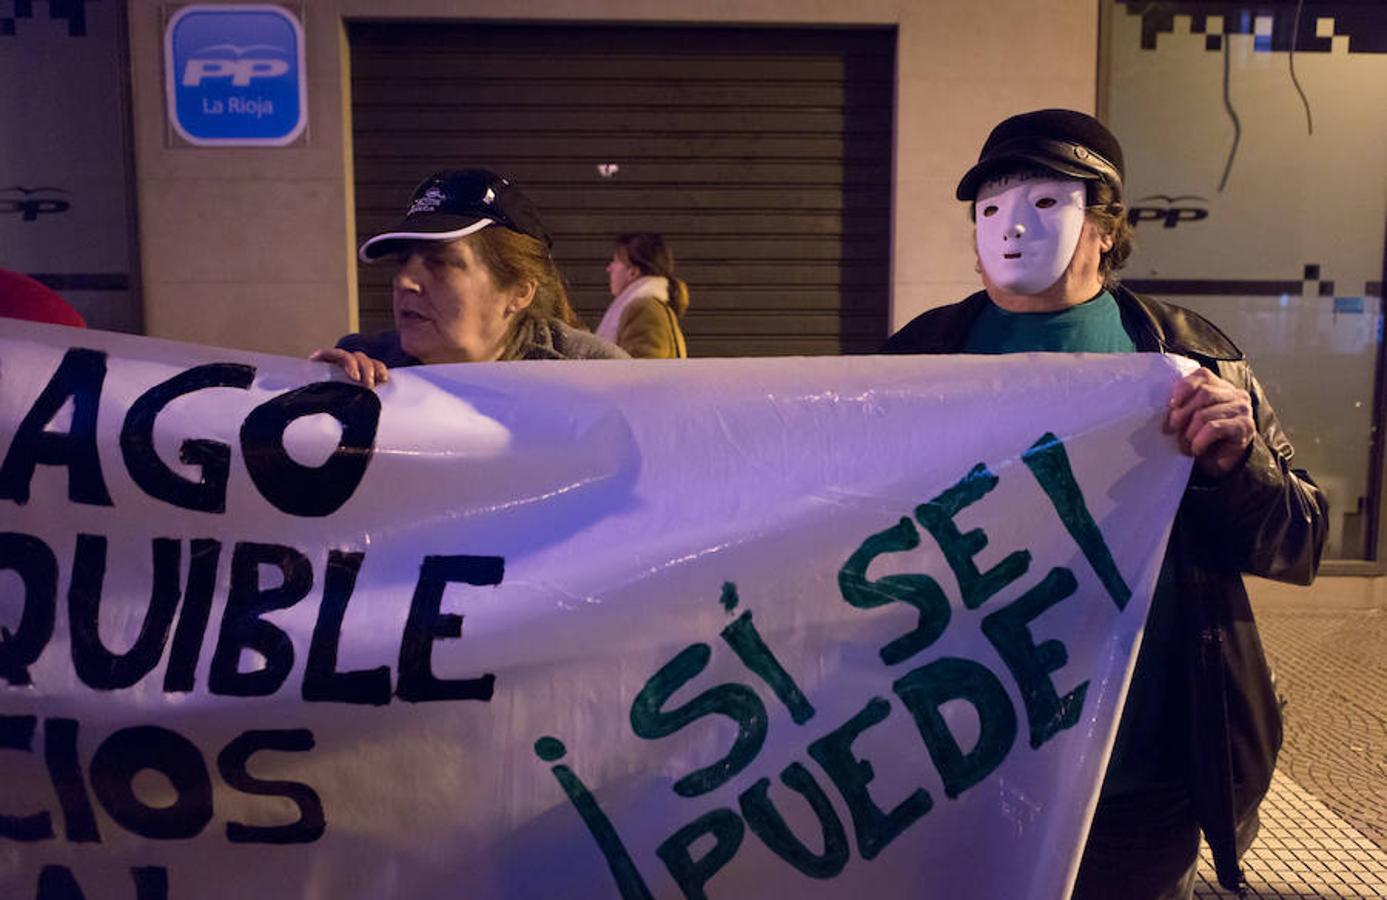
[(1065, 141), (450, 204)]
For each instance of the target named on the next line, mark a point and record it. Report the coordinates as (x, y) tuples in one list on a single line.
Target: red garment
[(21, 297)]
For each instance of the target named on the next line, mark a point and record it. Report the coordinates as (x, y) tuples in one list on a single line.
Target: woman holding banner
[(475, 283)]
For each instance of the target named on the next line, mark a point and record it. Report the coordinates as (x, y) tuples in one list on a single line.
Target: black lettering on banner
[(692, 875), (203, 556), (242, 627), (302, 490), (37, 567), (926, 689), (79, 377), (919, 591), (735, 701), (212, 458), (65, 772), (97, 667), (321, 680), (58, 883), (17, 733), (232, 762), (151, 882), (959, 548), (874, 828), (130, 751), (766, 822), (1031, 664), (426, 624)]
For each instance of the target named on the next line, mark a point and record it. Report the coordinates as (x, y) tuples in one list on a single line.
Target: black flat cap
[(1065, 141)]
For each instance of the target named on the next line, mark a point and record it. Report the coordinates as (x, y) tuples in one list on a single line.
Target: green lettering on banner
[(874, 828), (1049, 463), (735, 701), (747, 643), (926, 689), (959, 548), (1031, 664), (919, 591), (628, 878), (729, 598), (692, 875), (766, 822)]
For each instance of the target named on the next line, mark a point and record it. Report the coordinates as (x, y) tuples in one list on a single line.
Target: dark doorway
[(762, 154)]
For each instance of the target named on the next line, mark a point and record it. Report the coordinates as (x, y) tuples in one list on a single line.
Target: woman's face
[(448, 307), (620, 272)]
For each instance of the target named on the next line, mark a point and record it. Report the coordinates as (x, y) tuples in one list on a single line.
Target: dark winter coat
[(1264, 518)]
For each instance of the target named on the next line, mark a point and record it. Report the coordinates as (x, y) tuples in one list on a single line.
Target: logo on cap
[(429, 201)]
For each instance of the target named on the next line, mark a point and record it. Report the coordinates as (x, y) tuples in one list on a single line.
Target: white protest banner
[(723, 628)]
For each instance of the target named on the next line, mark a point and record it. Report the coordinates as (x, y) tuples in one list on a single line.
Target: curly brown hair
[(1109, 214)]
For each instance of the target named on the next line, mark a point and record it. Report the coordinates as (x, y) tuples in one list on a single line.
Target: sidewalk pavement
[(1324, 823)]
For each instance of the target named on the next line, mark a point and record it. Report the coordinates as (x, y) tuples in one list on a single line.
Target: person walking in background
[(648, 301), (475, 283)]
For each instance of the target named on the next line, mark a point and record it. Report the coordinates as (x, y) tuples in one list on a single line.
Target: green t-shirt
[(1094, 326), (1145, 752)]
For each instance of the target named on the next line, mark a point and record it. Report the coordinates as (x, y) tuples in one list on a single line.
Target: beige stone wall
[(252, 248), (1329, 592)]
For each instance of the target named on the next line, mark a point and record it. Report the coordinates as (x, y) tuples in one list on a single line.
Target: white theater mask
[(1027, 228)]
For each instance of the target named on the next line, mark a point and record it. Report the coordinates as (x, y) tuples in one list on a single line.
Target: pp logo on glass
[(235, 75)]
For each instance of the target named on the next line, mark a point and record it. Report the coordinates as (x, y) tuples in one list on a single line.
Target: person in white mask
[(1198, 737)]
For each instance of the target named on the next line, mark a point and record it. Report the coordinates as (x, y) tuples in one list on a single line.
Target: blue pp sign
[(235, 75)]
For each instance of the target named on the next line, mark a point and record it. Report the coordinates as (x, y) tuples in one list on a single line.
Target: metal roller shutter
[(763, 155)]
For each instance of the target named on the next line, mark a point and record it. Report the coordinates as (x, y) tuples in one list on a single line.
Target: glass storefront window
[(1256, 153)]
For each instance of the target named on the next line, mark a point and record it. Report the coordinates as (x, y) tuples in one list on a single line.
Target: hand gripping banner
[(713, 628)]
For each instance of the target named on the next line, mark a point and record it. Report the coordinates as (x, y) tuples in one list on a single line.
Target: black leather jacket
[(1265, 519)]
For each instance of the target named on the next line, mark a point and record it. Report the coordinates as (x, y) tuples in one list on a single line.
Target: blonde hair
[(513, 258)]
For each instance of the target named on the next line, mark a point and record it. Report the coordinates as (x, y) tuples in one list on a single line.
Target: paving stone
[(1324, 822)]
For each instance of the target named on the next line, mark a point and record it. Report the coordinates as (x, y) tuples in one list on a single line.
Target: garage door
[(763, 155)]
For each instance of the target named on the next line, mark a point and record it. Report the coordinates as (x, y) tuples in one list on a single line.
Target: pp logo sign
[(240, 71), (235, 75), (30, 203), (1171, 211)]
